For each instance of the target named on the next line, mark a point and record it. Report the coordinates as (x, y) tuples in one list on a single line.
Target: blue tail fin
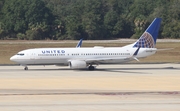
[(148, 38)]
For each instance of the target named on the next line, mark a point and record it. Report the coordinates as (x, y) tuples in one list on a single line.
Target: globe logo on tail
[(145, 41)]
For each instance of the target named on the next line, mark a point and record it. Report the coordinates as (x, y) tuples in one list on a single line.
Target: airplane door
[(32, 57)]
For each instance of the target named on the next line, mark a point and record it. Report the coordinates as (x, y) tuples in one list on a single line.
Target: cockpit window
[(21, 54)]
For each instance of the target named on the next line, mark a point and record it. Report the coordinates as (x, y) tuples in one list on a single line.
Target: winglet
[(79, 43)]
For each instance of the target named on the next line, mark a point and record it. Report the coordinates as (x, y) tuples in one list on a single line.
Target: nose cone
[(13, 58)]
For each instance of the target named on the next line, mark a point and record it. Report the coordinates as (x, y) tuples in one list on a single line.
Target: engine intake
[(77, 64)]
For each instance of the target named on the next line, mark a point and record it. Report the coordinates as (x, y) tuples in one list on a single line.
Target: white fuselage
[(96, 55)]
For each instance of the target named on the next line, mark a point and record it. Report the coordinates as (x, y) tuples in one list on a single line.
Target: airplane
[(82, 58)]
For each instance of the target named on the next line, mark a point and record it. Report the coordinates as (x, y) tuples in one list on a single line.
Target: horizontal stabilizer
[(165, 49)]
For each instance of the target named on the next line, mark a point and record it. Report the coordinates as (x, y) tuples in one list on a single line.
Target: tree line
[(87, 19)]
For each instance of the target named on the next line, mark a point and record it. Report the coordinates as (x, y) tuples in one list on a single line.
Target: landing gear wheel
[(26, 68), (91, 68)]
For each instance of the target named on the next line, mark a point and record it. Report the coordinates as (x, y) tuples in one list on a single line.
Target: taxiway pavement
[(110, 87)]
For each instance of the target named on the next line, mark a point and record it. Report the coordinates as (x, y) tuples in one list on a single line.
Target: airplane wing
[(133, 57), (104, 59), (99, 60)]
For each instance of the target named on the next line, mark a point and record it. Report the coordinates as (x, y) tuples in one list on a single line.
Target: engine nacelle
[(77, 64)]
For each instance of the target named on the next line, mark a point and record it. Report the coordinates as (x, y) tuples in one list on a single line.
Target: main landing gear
[(91, 68), (25, 68)]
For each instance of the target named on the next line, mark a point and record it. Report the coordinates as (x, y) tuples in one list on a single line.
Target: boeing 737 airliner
[(79, 58)]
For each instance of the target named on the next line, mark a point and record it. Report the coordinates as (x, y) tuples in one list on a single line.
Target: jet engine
[(77, 64)]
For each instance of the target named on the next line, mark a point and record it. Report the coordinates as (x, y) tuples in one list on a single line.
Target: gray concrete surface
[(128, 87)]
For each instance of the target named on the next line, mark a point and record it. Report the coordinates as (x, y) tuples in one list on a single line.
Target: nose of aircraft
[(12, 58)]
